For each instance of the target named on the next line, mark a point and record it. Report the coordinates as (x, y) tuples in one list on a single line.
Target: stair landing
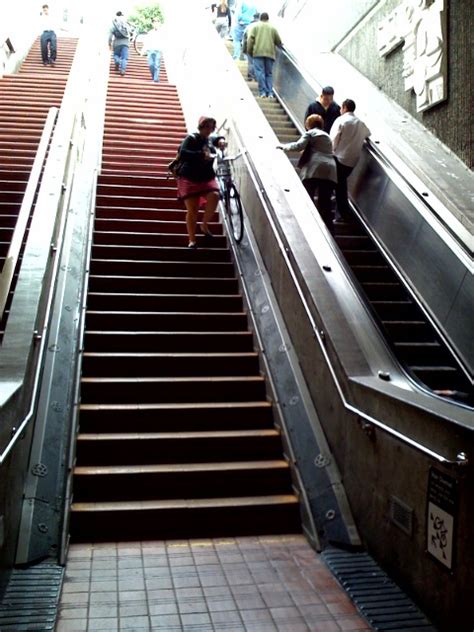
[(215, 585)]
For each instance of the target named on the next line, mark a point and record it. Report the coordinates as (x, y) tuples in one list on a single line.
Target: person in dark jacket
[(119, 41), (326, 107), (197, 183)]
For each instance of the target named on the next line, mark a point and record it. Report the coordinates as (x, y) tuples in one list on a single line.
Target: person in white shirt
[(48, 39), (348, 134), (152, 45)]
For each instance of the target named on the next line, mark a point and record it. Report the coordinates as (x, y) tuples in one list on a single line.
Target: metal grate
[(385, 606), (31, 599)]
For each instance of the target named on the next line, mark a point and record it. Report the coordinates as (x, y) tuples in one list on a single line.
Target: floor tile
[(250, 584), (133, 610), (102, 611), (71, 625), (103, 624), (72, 612), (135, 624), (162, 608), (190, 606), (166, 622), (195, 619)]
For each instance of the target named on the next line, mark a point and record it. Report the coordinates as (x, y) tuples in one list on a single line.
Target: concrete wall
[(451, 121), (309, 26)]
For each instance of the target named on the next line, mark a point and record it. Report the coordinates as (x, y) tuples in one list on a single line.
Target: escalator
[(25, 99), (176, 431), (406, 327)]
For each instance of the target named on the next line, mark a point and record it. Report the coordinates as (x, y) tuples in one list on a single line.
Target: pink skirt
[(189, 188)]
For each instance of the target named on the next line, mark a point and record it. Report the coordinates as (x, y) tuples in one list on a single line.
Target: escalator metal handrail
[(461, 459), (11, 260), (426, 200)]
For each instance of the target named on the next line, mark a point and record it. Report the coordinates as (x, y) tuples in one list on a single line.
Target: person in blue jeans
[(152, 45), (263, 40), (48, 39), (242, 18), (119, 40)]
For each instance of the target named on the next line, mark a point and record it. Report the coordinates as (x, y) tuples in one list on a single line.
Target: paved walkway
[(259, 584)]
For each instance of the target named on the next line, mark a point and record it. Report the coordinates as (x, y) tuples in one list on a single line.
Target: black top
[(221, 14), (329, 115), (195, 167)]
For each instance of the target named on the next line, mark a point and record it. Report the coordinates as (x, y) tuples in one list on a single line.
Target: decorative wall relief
[(421, 26)]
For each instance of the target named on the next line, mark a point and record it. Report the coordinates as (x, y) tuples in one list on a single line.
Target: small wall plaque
[(441, 516)]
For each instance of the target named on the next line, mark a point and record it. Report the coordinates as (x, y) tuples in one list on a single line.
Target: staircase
[(25, 99), (176, 435)]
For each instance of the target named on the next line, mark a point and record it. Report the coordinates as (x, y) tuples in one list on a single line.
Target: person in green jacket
[(262, 42)]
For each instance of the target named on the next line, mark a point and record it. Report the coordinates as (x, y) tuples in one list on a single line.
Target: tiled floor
[(229, 585)]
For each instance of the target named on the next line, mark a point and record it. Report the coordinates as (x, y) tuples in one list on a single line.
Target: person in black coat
[(326, 107)]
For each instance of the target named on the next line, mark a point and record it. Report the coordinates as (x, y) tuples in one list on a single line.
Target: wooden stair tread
[(179, 468), (116, 332), (131, 295), (146, 436), (157, 278), (179, 406), (212, 354), (161, 313), (164, 262), (192, 503), (173, 380)]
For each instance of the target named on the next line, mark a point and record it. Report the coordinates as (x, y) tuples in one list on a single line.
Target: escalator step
[(408, 330), (430, 352)]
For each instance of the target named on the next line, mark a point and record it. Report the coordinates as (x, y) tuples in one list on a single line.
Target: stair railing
[(30, 311), (11, 261)]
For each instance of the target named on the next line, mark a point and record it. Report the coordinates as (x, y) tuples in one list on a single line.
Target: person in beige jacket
[(262, 42)]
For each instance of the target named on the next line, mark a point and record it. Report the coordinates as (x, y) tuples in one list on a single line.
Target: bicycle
[(230, 196), (138, 39)]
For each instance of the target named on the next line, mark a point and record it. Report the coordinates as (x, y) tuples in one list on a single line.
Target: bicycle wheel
[(138, 42), (234, 212)]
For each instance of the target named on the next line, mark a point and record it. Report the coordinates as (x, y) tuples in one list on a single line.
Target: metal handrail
[(16, 243), (43, 338), (461, 459)]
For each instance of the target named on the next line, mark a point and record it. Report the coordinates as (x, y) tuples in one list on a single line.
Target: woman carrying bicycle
[(196, 180)]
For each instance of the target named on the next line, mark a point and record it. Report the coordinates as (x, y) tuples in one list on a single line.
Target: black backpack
[(174, 167)]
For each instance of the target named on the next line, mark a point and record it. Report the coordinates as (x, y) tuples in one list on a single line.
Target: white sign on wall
[(441, 517), (421, 26)]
